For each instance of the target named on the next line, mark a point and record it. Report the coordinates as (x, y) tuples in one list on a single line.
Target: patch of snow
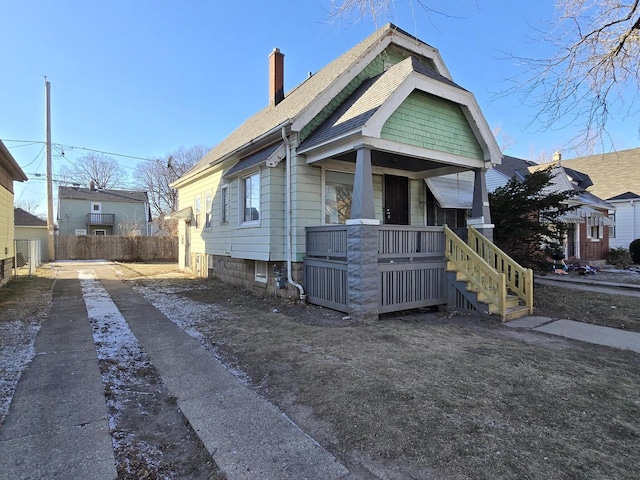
[(121, 355), (191, 316), (16, 339)]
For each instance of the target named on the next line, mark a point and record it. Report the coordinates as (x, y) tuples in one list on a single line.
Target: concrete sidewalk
[(57, 423), (610, 337)]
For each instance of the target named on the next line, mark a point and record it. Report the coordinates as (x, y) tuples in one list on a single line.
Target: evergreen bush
[(634, 250)]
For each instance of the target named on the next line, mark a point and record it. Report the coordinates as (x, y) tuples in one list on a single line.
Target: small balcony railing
[(101, 219)]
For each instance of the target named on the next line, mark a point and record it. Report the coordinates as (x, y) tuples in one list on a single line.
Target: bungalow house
[(587, 222), (10, 171), (325, 193), (92, 211), (31, 235), (616, 178)]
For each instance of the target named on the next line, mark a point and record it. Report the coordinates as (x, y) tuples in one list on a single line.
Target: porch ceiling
[(393, 161)]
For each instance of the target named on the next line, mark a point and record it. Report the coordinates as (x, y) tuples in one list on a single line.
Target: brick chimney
[(276, 77)]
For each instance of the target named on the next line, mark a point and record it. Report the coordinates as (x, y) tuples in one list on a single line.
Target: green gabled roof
[(299, 99), (368, 98)]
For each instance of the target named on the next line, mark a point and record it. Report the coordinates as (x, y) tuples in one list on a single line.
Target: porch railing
[(519, 280), (490, 284), (101, 219), (411, 267)]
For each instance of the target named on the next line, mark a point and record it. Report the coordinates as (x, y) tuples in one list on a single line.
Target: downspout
[(288, 216)]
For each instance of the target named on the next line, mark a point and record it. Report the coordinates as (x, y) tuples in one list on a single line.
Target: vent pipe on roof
[(276, 77)]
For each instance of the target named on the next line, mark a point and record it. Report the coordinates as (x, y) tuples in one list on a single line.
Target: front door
[(396, 200)]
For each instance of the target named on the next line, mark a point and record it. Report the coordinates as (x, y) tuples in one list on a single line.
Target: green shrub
[(634, 250), (619, 257)]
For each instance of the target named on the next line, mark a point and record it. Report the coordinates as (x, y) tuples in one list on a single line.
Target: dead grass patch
[(617, 311), (456, 397)]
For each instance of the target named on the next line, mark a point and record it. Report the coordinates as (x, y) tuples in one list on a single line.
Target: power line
[(73, 147)]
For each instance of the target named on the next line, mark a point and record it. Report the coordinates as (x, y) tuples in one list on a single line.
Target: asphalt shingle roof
[(22, 218), (612, 173), (73, 193), (294, 102)]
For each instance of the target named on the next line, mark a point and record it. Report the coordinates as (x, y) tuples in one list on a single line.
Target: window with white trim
[(260, 271), (224, 204), (251, 198), (208, 203), (338, 194), (197, 208), (612, 227)]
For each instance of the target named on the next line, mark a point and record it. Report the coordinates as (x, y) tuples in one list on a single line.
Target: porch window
[(251, 193), (338, 194), (99, 232), (197, 207), (224, 204), (207, 208)]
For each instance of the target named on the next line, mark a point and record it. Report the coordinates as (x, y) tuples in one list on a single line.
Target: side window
[(251, 194), (224, 204), (207, 209), (197, 207)]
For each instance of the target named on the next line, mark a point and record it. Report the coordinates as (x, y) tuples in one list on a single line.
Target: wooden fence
[(117, 248)]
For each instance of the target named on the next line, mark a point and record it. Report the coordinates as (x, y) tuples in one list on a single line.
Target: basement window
[(260, 271)]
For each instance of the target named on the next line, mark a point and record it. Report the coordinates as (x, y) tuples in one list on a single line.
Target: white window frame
[(81, 231), (260, 271), (208, 207), (612, 228), (225, 204), (324, 193), (94, 205), (598, 232), (197, 210), (243, 199), (102, 230)]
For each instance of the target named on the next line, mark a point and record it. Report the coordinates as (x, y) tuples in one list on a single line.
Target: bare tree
[(30, 206), (105, 172), (593, 71), (155, 177)]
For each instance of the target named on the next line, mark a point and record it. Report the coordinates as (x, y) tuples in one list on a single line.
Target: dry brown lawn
[(430, 395)]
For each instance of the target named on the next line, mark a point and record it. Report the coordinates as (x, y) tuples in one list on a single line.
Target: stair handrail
[(518, 279), (482, 276)]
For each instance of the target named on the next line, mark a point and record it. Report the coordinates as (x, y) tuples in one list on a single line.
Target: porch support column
[(362, 244), (480, 212), (362, 271), (362, 200)]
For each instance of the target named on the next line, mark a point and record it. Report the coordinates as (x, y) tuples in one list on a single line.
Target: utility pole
[(47, 122)]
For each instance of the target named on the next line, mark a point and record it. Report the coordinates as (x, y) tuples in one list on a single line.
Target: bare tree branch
[(594, 72), (155, 177), (103, 171)]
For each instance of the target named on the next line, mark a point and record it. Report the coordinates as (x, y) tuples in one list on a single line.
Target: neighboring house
[(587, 222), (616, 178), (10, 171), (91, 211), (29, 228), (328, 190)]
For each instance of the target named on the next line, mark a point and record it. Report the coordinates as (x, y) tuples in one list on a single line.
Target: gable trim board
[(371, 131)]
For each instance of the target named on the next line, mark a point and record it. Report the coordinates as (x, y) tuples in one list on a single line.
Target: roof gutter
[(265, 139)]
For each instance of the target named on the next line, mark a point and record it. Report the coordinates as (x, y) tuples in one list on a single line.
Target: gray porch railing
[(411, 267), (101, 218)]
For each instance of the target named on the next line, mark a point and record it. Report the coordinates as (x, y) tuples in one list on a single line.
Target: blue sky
[(142, 78)]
